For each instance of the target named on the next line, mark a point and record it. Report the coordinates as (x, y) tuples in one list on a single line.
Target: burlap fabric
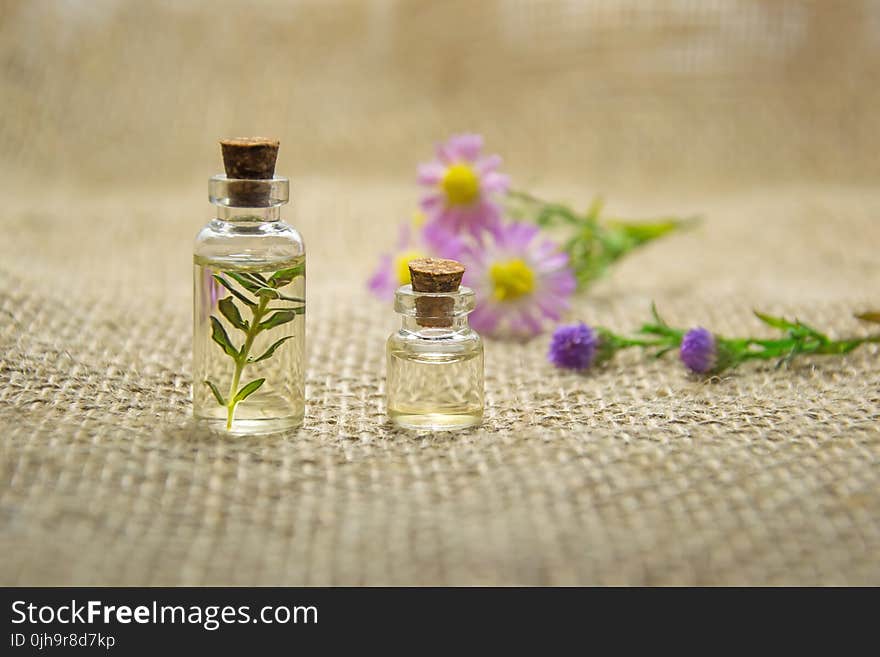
[(761, 116)]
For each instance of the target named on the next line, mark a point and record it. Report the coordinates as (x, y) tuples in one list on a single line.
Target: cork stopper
[(435, 275), (249, 159)]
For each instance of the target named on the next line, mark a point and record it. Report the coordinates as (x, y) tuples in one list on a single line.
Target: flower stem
[(241, 361), (638, 342), (789, 347)]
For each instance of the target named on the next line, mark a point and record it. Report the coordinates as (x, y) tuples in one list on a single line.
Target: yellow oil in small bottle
[(435, 361)]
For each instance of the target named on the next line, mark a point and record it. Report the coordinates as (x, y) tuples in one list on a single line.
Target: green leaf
[(256, 276), (248, 390), (660, 327), (639, 232), (279, 318), (238, 295), (271, 293), (776, 322), (217, 395), (656, 315), (271, 350), (230, 312), (840, 347), (870, 316), (664, 351), (218, 335), (299, 311), (247, 283), (595, 209), (796, 329), (285, 276)]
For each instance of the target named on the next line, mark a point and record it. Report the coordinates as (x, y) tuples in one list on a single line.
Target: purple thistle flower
[(699, 351), (573, 346), (461, 185)]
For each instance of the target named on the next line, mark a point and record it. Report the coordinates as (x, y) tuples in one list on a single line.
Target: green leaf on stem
[(217, 394), (218, 335), (238, 295), (248, 390), (230, 312), (285, 276), (840, 347), (656, 315), (595, 209), (596, 243), (279, 318), (270, 293), (271, 350), (776, 322), (247, 283), (796, 329), (640, 232), (665, 350), (257, 277), (661, 328)]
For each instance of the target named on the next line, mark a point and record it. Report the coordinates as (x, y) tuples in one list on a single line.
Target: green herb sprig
[(256, 293), (596, 242)]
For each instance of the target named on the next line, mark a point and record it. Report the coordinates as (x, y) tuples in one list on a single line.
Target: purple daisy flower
[(462, 183), (393, 271), (573, 346), (699, 351), (520, 281)]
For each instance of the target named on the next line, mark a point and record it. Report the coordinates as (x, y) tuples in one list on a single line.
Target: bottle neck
[(248, 201), (430, 328), (434, 314), (248, 215)]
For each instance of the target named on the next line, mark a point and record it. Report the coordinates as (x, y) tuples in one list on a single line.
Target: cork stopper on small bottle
[(249, 159), (435, 275)]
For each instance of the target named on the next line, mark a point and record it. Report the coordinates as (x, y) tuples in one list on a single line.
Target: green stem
[(798, 346), (241, 361), (637, 342)]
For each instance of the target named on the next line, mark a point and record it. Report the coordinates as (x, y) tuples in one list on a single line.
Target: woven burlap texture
[(759, 116)]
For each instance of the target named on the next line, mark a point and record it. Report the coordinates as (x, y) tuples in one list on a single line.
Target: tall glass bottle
[(435, 361), (249, 299)]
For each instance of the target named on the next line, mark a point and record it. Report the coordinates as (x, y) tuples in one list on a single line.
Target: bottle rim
[(407, 302), (243, 193)]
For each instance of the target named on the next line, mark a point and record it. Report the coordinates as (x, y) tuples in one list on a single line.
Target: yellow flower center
[(418, 219), (401, 265), (511, 279), (460, 184)]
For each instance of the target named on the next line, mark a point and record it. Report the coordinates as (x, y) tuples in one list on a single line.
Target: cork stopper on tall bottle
[(249, 159), (435, 275)]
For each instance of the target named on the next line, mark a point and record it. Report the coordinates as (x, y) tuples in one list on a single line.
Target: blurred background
[(662, 106), (761, 116), (610, 94)]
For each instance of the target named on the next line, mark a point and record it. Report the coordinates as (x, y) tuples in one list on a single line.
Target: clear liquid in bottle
[(249, 344)]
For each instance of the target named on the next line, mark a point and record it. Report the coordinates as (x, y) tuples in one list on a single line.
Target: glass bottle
[(249, 305), (435, 361)]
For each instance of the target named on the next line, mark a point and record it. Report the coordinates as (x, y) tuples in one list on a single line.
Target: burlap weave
[(759, 115)]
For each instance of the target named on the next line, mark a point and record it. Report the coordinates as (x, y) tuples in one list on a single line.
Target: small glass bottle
[(435, 360), (249, 299)]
